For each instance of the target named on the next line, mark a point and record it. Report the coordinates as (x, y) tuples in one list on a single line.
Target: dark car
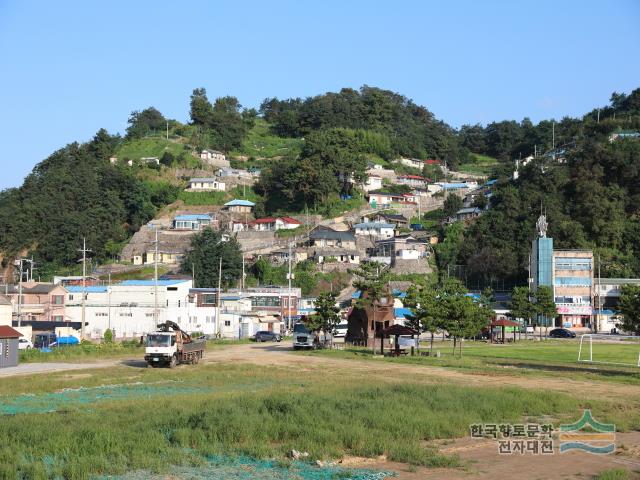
[(264, 336), (561, 333)]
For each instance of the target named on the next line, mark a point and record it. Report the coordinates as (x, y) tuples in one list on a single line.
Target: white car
[(24, 344)]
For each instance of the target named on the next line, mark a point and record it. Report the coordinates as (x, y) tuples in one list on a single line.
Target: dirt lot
[(480, 456)]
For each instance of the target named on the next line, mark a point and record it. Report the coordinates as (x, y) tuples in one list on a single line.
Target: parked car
[(561, 333), (24, 344), (264, 336)]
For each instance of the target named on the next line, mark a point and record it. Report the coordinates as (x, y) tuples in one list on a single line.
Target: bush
[(108, 336)]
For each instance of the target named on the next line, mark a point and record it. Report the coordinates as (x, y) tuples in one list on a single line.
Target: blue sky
[(70, 68)]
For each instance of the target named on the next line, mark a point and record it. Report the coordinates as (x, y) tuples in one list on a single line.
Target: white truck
[(169, 345)]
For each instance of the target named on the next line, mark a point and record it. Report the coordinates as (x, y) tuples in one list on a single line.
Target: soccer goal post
[(609, 349)]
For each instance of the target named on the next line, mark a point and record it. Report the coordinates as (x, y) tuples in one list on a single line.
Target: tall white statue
[(541, 226)]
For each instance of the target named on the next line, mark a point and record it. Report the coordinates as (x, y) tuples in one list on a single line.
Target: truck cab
[(303, 338), (161, 347)]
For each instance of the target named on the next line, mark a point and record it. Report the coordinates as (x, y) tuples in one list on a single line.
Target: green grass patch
[(234, 410), (154, 147), (142, 273), (245, 193), (481, 165), (84, 351), (204, 198), (613, 474), (260, 143)]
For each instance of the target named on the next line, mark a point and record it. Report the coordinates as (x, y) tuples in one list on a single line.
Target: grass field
[(153, 147), (547, 358), (121, 420), (482, 165), (260, 143)]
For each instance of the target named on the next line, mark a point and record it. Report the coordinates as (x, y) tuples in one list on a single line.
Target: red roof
[(8, 332), (291, 220), (263, 220), (432, 162), (504, 323), (413, 177)]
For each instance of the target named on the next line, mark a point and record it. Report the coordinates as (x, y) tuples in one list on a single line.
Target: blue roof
[(149, 283), (399, 293), (369, 225), (239, 203), (453, 186), (402, 312), (196, 216), (88, 289), (491, 182), (356, 294)]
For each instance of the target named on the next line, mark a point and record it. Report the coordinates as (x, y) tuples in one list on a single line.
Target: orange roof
[(8, 332)]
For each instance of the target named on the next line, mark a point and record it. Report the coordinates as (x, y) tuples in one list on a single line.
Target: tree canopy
[(203, 260)]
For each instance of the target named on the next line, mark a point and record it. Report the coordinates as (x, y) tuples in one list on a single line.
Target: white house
[(272, 224), (214, 157), (412, 180), (377, 200), (412, 162), (375, 229), (374, 182), (205, 185), (191, 222)]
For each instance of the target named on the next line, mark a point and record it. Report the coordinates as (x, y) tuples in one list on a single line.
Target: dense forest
[(591, 197)]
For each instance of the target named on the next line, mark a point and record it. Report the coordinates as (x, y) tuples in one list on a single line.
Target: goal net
[(609, 349)]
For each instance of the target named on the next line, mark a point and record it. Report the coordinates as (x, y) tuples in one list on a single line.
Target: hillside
[(313, 155)]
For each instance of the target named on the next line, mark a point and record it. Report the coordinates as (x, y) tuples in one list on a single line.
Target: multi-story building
[(39, 302), (570, 275)]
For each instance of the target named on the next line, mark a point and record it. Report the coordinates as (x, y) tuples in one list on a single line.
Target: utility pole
[(217, 326), (242, 282), (599, 297), (167, 130), (289, 278), (109, 304), (84, 285), (20, 296), (553, 137), (155, 279)]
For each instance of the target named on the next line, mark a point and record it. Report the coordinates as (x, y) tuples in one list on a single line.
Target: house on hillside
[(431, 161), (150, 161), (402, 247), (214, 157), (375, 229), (234, 172), (239, 206), (374, 182), (400, 221), (193, 222), (467, 213), (205, 185), (412, 162), (327, 237), (272, 224), (623, 134), (385, 200), (414, 181)]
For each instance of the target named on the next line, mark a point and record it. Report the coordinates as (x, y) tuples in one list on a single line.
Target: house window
[(58, 318), (265, 301), (101, 314), (126, 314), (70, 297), (227, 323), (57, 299), (209, 299)]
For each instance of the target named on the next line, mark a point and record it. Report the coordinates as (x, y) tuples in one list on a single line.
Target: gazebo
[(396, 331), (504, 323)]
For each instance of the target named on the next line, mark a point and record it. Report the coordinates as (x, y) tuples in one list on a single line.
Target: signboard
[(575, 309), (408, 342)]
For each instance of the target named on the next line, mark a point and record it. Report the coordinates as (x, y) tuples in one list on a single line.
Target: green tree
[(143, 122), (522, 305), (327, 312), (208, 250), (452, 204), (427, 314), (630, 307), (545, 305)]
